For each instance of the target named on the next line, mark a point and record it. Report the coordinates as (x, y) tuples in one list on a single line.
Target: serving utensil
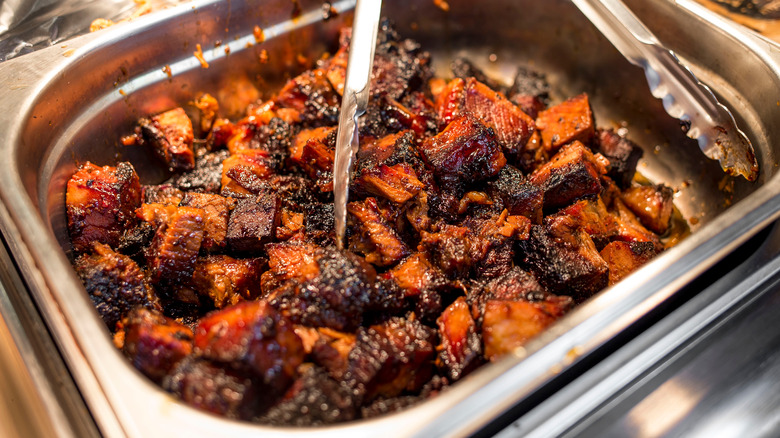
[(354, 103), (684, 97)]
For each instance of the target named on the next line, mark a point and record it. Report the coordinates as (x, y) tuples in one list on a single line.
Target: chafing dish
[(70, 103)]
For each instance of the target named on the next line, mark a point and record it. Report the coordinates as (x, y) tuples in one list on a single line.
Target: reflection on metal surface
[(663, 411)]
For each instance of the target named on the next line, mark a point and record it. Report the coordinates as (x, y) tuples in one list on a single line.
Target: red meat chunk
[(101, 203), (216, 210), (254, 333), (253, 223), (574, 172), (174, 249), (374, 237), (652, 205), (115, 283), (170, 134), (465, 151), (226, 280), (154, 343), (507, 325), (625, 257), (567, 122), (461, 346)]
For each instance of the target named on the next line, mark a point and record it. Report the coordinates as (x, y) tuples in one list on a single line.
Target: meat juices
[(480, 214)]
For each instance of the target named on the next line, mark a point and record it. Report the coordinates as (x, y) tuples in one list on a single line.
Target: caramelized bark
[(464, 151), (652, 205), (337, 297), (314, 399), (374, 237), (390, 358), (115, 283), (416, 274), (567, 122), (625, 257), (622, 154), (170, 134), (461, 345), (240, 172), (518, 196), (314, 150), (574, 172), (311, 95), (253, 223), (154, 343), (217, 388), (174, 249), (216, 210), (507, 325), (511, 126), (227, 281), (253, 333), (100, 203), (568, 265)]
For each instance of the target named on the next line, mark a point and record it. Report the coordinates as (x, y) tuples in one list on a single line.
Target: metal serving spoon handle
[(684, 97)]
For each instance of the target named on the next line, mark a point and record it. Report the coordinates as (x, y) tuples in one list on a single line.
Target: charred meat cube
[(313, 150), (507, 325), (162, 194), (511, 126), (573, 173), (567, 122), (217, 388), (207, 175), (530, 91), (625, 257), (390, 358), (314, 399), (629, 228), (465, 151), (100, 203), (215, 218), (374, 237), (253, 223), (416, 274), (319, 223), (313, 97), (290, 261), (519, 197), (170, 134), (115, 284), (337, 297), (397, 183), (622, 153), (569, 266), (331, 350), (461, 345), (515, 285), (219, 134), (174, 249), (226, 280), (254, 333), (155, 343), (242, 171), (590, 216), (400, 65), (464, 69), (652, 205)]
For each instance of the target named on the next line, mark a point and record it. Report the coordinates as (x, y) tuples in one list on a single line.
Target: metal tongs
[(683, 95), (354, 103)]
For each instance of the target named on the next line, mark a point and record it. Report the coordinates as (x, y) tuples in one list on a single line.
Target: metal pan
[(69, 104)]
